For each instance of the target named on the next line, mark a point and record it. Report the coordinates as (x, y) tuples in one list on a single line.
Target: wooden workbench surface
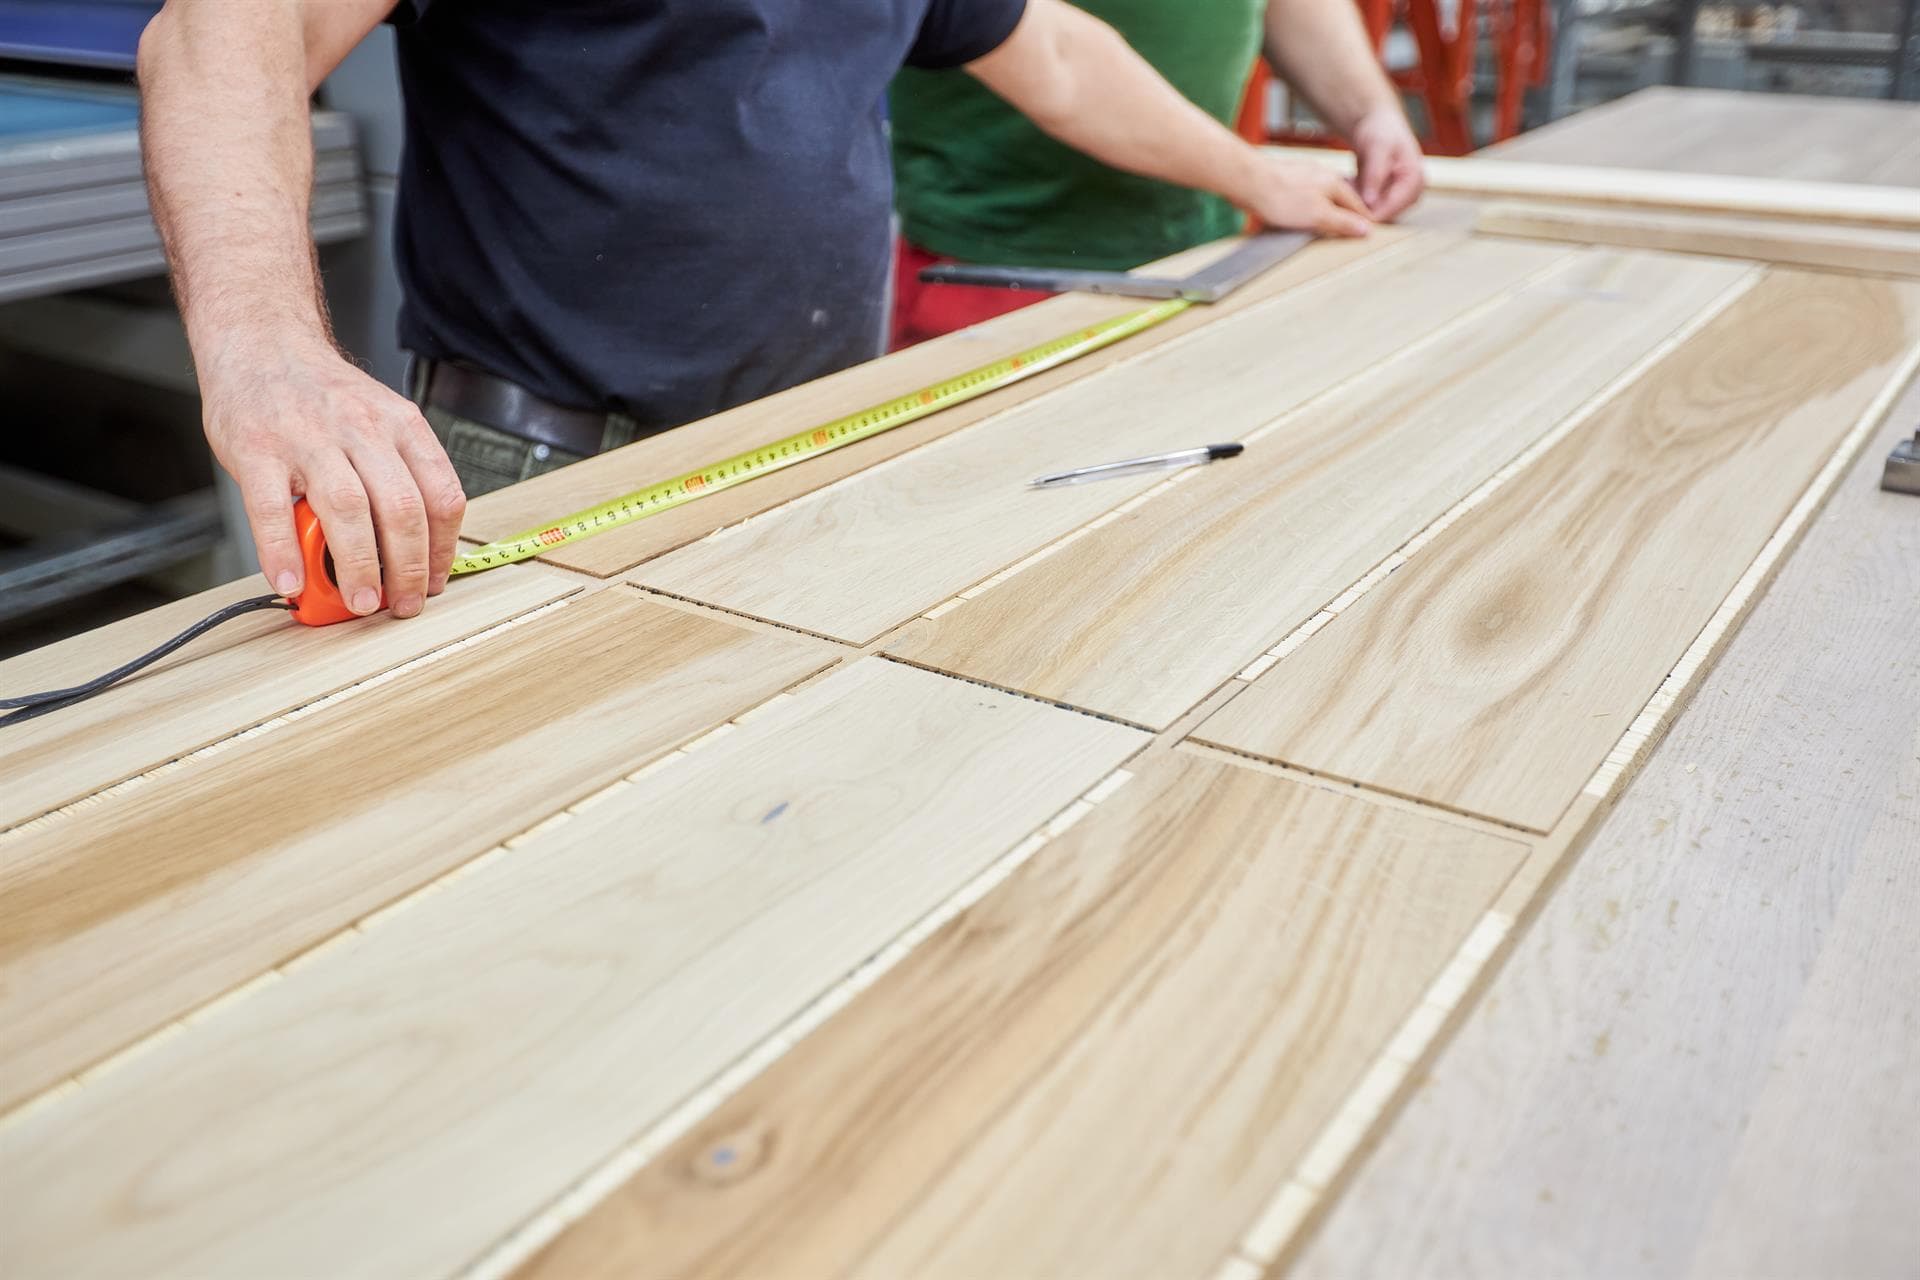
[(1698, 1060), (891, 870)]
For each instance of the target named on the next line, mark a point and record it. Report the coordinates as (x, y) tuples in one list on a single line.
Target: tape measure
[(320, 603)]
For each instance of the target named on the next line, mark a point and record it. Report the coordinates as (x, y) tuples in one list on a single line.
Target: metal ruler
[(781, 454), (1209, 284)]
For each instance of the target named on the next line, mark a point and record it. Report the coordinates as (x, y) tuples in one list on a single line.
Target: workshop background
[(109, 500)]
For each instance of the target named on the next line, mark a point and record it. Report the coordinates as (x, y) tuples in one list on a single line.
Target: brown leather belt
[(509, 407)]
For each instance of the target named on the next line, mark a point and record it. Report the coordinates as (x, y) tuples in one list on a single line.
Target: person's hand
[(1392, 174), (299, 420), (1302, 195)]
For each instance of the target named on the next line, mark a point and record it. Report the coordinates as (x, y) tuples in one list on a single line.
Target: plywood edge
[(1278, 1238), (1863, 250), (1839, 202)]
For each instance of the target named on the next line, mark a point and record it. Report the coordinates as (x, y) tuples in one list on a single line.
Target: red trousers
[(922, 311)]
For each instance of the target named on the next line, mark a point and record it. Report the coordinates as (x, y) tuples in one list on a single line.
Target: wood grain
[(1494, 672), (1872, 250), (533, 502), (396, 1105), (1696, 1062), (243, 858), (1143, 617), (878, 548), (1853, 204), (1708, 131), (238, 675), (1102, 1068)]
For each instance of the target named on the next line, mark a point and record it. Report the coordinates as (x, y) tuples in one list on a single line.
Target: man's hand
[(307, 423), (1303, 196), (225, 133), (1392, 174), (1078, 80)]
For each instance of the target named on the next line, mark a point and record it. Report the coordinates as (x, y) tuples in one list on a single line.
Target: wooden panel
[(1701, 1049), (880, 547), (1761, 135), (544, 498), (243, 858), (1494, 672), (1101, 1069), (1840, 202), (1873, 250), (395, 1106), (244, 672), (1143, 617)]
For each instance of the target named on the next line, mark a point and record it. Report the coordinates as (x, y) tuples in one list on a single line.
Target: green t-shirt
[(976, 181)]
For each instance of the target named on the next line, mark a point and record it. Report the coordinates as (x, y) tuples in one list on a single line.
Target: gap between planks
[(588, 1191), (587, 585), (165, 767), (1499, 479), (1281, 1229), (356, 929)]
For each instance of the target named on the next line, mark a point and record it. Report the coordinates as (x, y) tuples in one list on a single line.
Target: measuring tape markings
[(780, 454)]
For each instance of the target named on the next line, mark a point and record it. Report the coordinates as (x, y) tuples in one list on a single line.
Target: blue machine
[(74, 33)]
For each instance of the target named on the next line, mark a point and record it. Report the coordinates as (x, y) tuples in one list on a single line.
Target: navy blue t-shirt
[(662, 207)]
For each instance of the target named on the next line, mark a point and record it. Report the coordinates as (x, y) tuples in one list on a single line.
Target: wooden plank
[(869, 553), (1855, 204), (1872, 250), (397, 1104), (235, 862), (1494, 672), (238, 675), (544, 498), (1709, 131), (1276, 1241), (1102, 1068), (1699, 1051), (1143, 617)]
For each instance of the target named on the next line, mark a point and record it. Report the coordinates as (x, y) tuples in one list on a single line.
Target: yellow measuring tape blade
[(814, 441)]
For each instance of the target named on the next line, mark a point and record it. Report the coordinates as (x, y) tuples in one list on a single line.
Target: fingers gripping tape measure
[(320, 602)]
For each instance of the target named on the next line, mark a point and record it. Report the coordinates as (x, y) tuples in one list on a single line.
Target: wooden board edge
[(1854, 204), (1805, 245), (574, 589)]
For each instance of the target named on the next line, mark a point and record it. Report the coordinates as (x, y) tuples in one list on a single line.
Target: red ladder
[(1443, 77)]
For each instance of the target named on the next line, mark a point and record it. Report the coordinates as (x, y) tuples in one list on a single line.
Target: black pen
[(1133, 466)]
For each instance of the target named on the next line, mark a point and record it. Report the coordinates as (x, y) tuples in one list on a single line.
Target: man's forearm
[(229, 156), (1320, 48), (1082, 83), (229, 160)]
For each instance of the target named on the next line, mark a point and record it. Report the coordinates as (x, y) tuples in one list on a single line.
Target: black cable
[(39, 704)]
